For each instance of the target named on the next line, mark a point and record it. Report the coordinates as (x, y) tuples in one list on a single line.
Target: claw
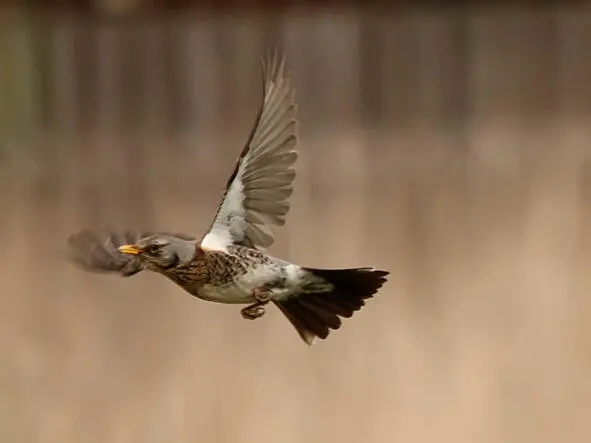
[(252, 312)]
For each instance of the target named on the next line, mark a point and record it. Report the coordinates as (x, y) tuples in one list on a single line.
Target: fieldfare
[(229, 264)]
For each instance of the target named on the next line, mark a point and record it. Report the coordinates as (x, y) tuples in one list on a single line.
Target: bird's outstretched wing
[(257, 191), (98, 251)]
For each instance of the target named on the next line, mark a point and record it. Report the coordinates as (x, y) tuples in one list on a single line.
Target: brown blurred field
[(454, 151)]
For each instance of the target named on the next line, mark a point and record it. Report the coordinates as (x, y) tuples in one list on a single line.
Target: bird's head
[(161, 252)]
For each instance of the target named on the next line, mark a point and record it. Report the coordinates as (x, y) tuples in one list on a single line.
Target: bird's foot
[(254, 311), (262, 296)]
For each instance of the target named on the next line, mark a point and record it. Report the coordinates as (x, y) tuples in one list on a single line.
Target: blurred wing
[(257, 191), (98, 252)]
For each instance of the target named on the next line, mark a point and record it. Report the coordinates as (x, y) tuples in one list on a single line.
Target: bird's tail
[(314, 313)]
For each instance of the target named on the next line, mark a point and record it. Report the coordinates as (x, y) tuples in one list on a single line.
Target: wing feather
[(98, 251), (257, 191)]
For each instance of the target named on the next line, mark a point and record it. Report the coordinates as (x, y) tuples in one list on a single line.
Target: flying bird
[(229, 263)]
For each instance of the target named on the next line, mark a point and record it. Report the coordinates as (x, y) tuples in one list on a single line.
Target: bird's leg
[(262, 296)]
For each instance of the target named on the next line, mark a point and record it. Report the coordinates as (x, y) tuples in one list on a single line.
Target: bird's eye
[(153, 249)]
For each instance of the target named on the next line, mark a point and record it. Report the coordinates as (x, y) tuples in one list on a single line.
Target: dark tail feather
[(314, 314)]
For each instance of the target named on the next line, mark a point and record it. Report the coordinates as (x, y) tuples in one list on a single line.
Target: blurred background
[(449, 146)]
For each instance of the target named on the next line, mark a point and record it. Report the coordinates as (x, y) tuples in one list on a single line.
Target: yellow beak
[(129, 250)]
